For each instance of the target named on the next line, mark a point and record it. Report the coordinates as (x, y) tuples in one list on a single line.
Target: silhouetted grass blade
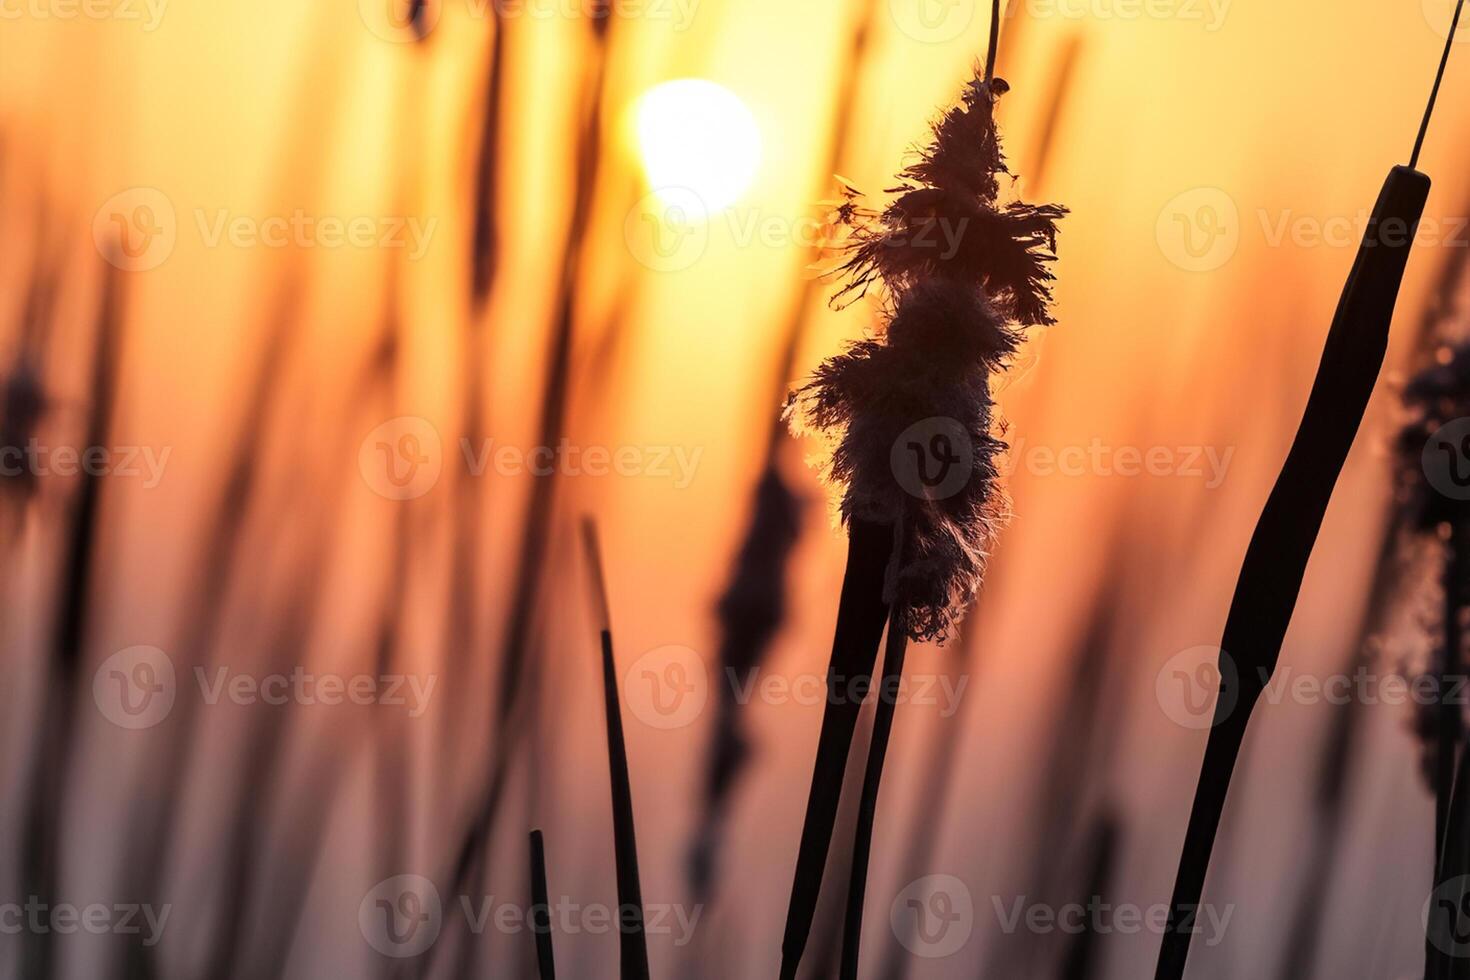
[(633, 942), (541, 908), (1276, 560)]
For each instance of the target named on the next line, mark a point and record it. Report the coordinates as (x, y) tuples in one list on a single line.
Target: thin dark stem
[(541, 909), (633, 943), (867, 809), (861, 613), (1438, 79)]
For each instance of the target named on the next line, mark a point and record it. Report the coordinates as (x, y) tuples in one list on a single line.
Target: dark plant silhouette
[(1276, 561), (953, 317)]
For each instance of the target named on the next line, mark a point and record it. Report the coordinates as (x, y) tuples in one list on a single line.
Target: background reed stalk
[(541, 909), (753, 605), (41, 867)]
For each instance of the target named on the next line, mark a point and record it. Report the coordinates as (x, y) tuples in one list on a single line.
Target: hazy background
[(1275, 121)]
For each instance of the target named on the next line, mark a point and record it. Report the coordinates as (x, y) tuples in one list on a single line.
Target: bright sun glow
[(696, 136)]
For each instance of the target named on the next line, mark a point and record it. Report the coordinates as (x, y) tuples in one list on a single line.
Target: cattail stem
[(867, 810), (1446, 923), (1438, 80), (541, 909), (993, 48), (1276, 560), (1450, 721), (861, 613)]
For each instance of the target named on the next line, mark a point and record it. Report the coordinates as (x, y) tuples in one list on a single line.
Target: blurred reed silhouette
[(265, 827)]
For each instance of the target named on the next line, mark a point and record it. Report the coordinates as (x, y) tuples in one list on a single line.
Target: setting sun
[(696, 136)]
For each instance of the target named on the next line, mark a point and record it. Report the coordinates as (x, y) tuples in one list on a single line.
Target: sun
[(697, 138)]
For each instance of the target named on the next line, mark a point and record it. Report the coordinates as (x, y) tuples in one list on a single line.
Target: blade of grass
[(633, 943), (541, 909)]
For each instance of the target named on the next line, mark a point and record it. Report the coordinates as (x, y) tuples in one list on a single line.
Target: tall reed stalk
[(41, 868), (753, 606), (508, 721), (921, 388), (1275, 562)]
